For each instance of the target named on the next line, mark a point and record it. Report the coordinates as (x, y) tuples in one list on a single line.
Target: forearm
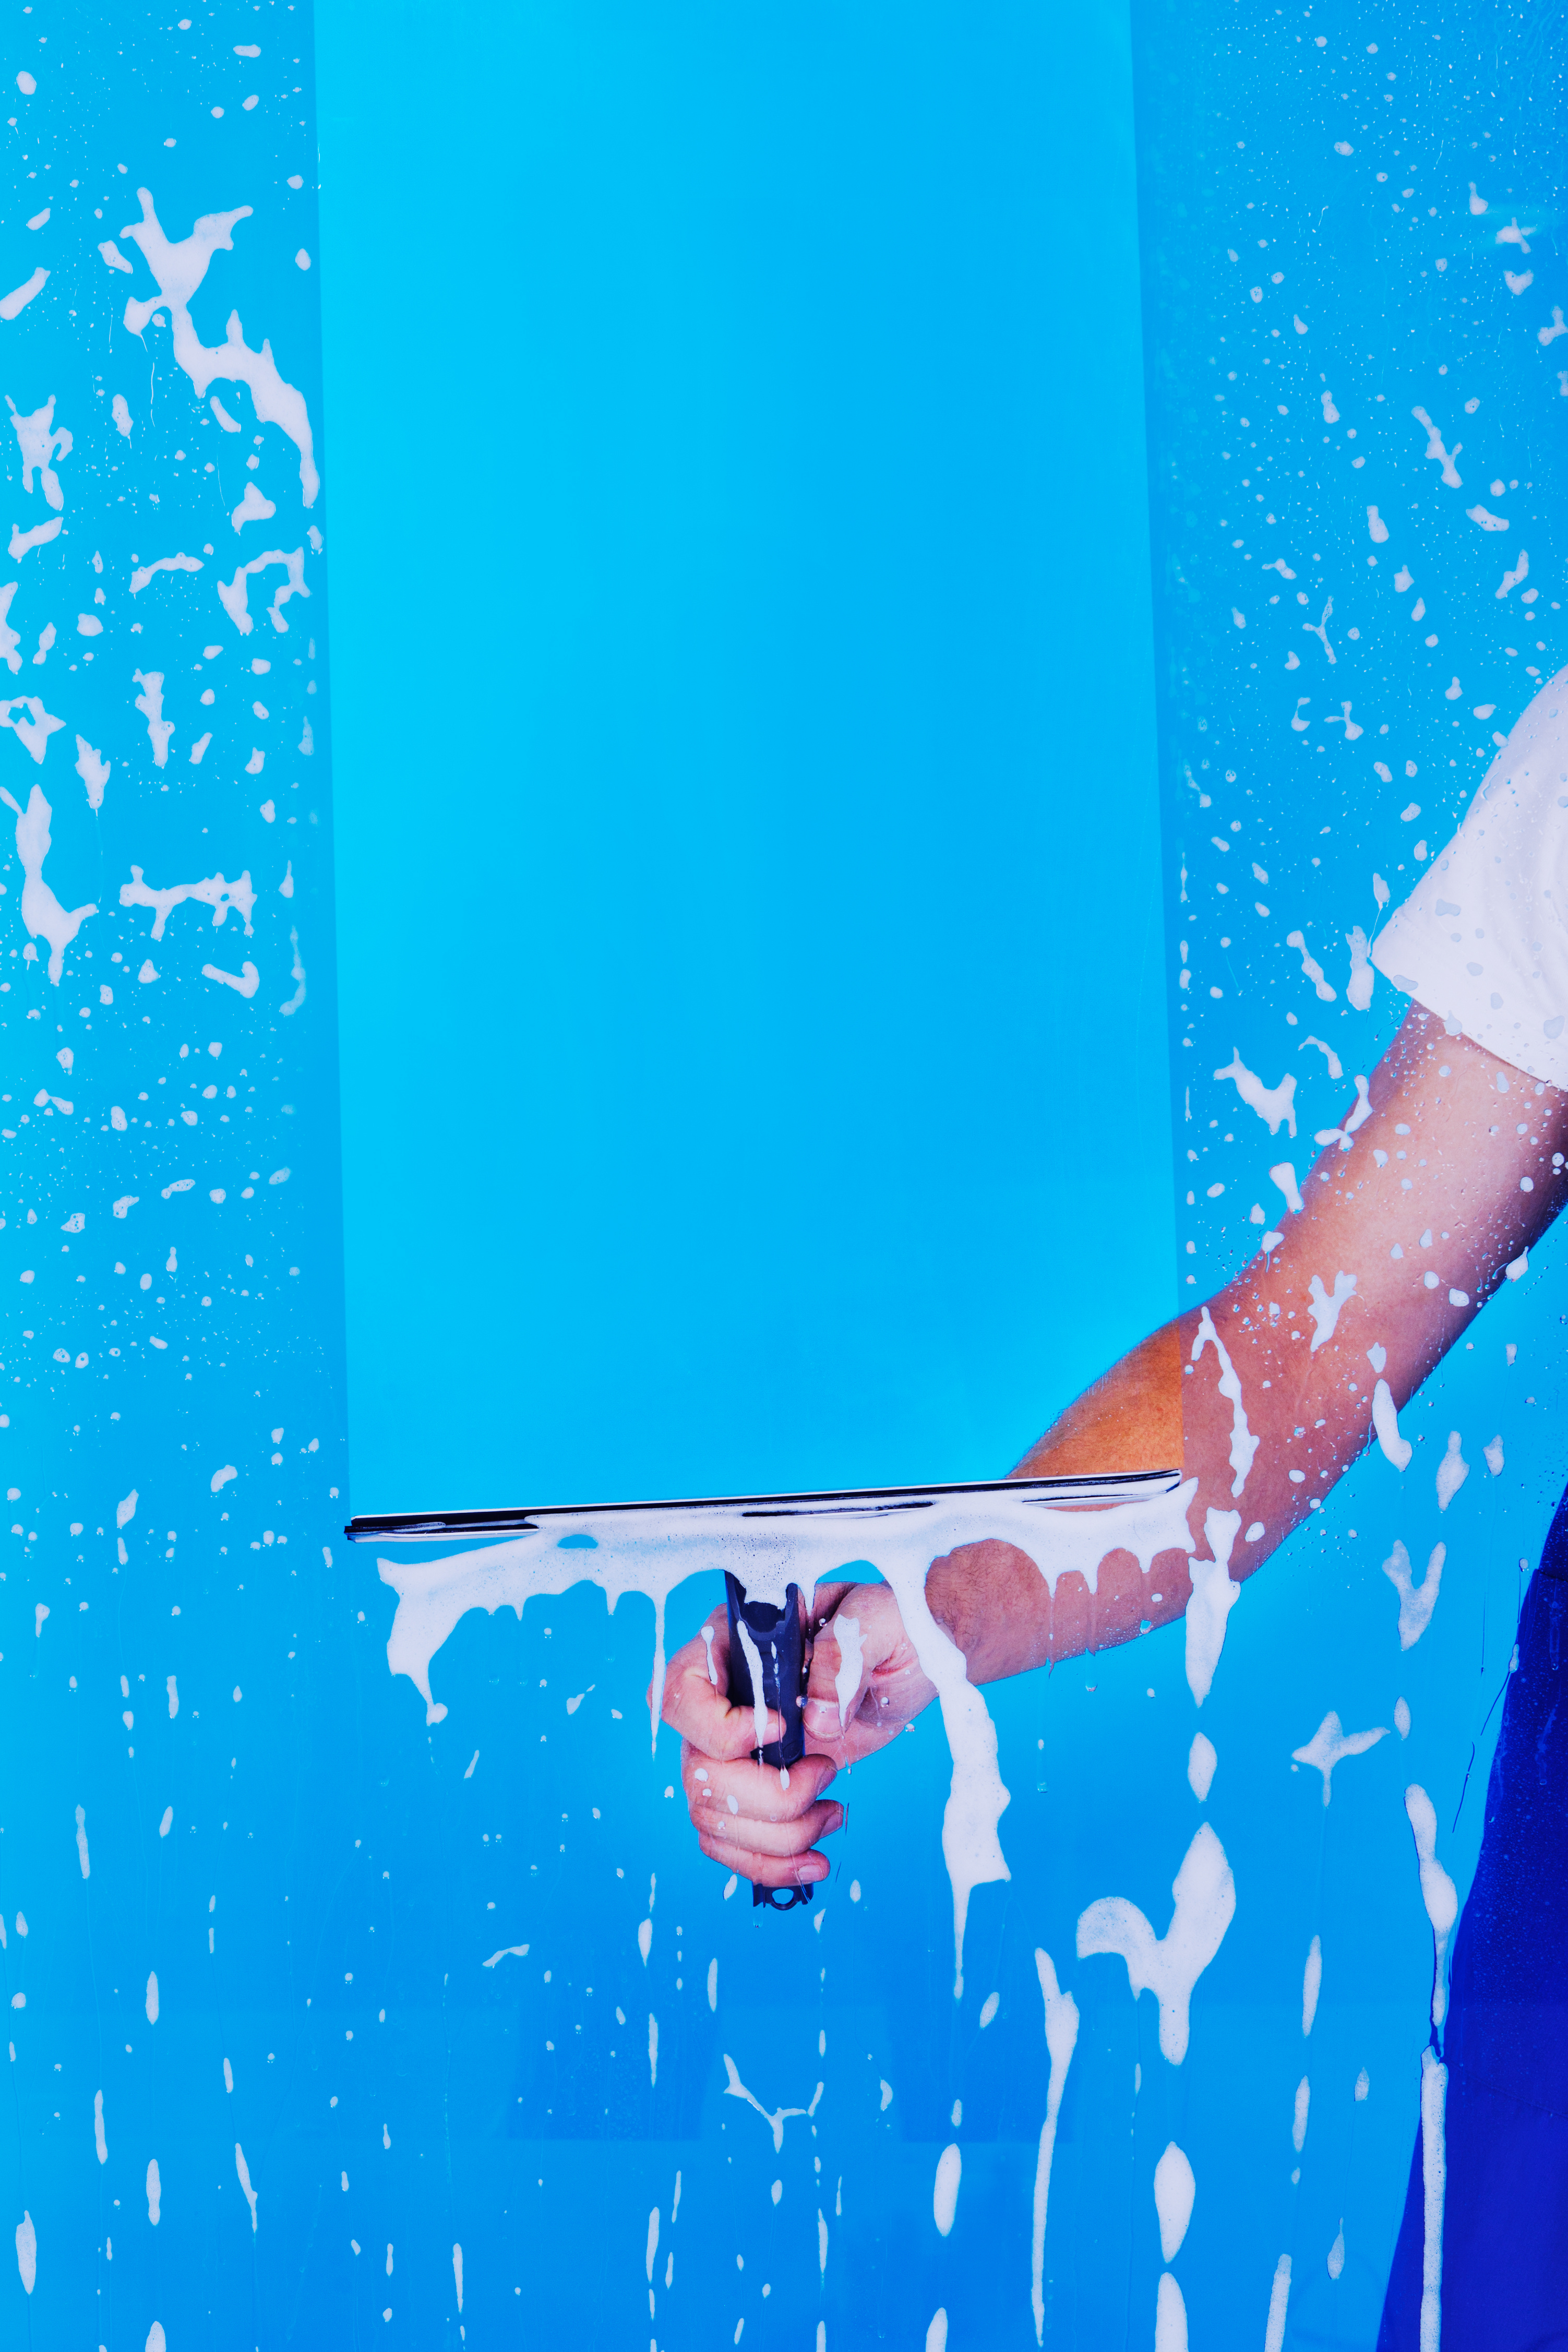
[(1433, 1187)]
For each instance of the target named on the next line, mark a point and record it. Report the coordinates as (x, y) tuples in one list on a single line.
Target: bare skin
[(1460, 1180)]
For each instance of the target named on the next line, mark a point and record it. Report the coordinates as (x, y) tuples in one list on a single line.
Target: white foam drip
[(1329, 1746), (26, 2252), (1452, 1472), (1169, 1966), (1416, 1602), (1439, 1892), (1061, 2040), (1299, 2117), (656, 1553), (1386, 1421), (1175, 2190), (1279, 2304), (1243, 1444), (1210, 1601), (945, 2189), (1201, 1759), (1312, 1984), (1170, 2316), (851, 1655), (1434, 2184), (749, 1652)]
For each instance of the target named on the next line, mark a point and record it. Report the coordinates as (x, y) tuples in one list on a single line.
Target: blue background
[(754, 1071), (741, 655)]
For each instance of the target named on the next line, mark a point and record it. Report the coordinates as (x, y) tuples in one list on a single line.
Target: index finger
[(696, 1703)]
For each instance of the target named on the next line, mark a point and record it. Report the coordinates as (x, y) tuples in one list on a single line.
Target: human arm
[(1437, 1100)]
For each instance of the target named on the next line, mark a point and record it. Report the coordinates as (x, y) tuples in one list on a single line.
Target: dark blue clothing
[(1505, 2037)]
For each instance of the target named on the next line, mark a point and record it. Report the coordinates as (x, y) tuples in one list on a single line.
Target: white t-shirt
[(1482, 939)]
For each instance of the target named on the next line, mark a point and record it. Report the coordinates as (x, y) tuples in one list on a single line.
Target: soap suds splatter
[(93, 768), (1279, 2304), (214, 891), (252, 508), (178, 268), (1336, 1067), (1325, 1310), (1169, 1966), (1284, 1176), (1311, 968), (245, 983), (1200, 1762), (234, 595), (1416, 1602), (1331, 1744), (40, 447), (735, 2089), (22, 543), (150, 702), (1358, 1118), (1437, 452), (43, 915), (1275, 1106), (144, 573), (1452, 1472)]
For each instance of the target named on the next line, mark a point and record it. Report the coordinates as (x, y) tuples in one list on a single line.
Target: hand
[(754, 1819)]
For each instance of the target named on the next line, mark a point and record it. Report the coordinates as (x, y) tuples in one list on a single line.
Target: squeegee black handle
[(776, 1638)]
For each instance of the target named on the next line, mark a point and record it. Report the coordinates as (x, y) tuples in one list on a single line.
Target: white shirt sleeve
[(1482, 939)]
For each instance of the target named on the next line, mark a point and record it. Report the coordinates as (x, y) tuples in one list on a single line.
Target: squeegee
[(773, 1549)]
